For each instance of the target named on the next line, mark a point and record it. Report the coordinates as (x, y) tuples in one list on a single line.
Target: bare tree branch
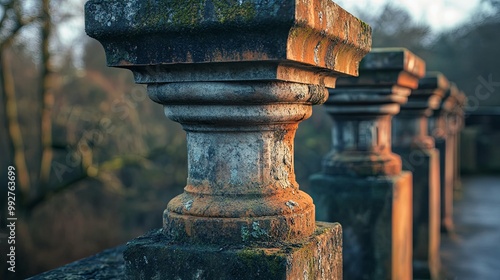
[(8, 91), (92, 172), (15, 137), (47, 98), (44, 196)]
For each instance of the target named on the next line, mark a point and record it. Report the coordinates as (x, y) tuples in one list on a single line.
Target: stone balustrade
[(240, 76)]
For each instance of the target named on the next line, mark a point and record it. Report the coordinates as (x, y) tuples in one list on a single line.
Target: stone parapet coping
[(108, 264)]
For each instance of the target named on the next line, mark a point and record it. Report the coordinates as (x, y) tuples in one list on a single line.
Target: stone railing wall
[(240, 77)]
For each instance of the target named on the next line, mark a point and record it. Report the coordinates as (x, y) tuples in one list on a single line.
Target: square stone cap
[(462, 99), (433, 81), (384, 67), (429, 93), (451, 100), (382, 59), (317, 34)]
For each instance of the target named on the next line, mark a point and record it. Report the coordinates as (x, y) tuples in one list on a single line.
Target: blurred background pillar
[(362, 184), (456, 127), (411, 141), (439, 128)]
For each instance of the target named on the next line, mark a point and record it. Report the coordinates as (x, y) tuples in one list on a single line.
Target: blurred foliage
[(468, 54), (114, 159)]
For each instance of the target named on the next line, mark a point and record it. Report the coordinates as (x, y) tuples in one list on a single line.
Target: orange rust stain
[(306, 45), (254, 55), (125, 63), (325, 24)]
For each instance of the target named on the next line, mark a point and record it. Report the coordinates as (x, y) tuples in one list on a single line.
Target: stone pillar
[(439, 130), (362, 184), (239, 76), (411, 141), (456, 126)]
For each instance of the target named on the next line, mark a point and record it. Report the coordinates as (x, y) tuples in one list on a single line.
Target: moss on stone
[(190, 13), (181, 12), (187, 12), (252, 257), (365, 27), (232, 10)]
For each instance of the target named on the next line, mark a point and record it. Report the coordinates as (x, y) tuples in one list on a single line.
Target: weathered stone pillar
[(362, 185), (439, 130), (239, 76), (411, 141)]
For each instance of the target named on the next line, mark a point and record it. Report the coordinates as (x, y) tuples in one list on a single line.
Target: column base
[(376, 218), (154, 256)]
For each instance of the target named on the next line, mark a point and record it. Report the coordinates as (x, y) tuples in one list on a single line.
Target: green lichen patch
[(191, 13), (231, 10), (253, 233), (257, 258)]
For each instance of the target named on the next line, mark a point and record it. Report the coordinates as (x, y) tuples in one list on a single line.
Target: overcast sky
[(439, 14)]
